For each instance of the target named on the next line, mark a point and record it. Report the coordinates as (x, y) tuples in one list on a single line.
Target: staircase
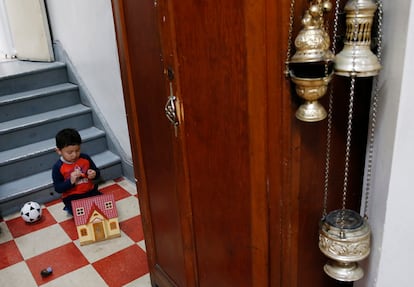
[(36, 101)]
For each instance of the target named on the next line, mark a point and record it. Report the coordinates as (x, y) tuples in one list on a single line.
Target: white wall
[(391, 206), (85, 29)]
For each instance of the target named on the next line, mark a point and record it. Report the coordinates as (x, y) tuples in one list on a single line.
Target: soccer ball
[(31, 211)]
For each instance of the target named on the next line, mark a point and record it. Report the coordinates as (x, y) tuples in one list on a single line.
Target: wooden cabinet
[(233, 195)]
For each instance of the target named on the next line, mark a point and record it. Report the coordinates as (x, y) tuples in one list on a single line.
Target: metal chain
[(329, 120), (374, 106), (289, 44), (350, 117), (328, 154), (348, 141)]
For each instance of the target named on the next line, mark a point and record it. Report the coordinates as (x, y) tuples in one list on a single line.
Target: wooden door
[(29, 28), (98, 231), (154, 145), (222, 128), (233, 196)]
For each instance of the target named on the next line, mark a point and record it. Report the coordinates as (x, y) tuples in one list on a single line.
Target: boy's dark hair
[(67, 137)]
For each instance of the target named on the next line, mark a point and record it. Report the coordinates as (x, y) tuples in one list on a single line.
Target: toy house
[(96, 218)]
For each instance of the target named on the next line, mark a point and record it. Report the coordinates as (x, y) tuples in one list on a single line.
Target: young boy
[(73, 173)]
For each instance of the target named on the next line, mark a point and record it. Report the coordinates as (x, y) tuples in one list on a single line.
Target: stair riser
[(32, 134), (111, 172), (41, 196), (41, 162), (32, 81), (38, 104)]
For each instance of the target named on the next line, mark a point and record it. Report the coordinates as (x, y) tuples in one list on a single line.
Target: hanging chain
[(290, 36), (374, 106), (348, 141), (350, 117), (329, 120)]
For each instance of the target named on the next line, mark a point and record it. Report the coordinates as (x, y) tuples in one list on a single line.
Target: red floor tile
[(70, 228), (63, 260), (9, 254), (133, 228), (118, 191), (117, 269), (18, 227)]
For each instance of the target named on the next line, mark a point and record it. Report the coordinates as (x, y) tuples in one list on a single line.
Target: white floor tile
[(98, 250), (43, 240), (5, 234), (143, 281), (142, 245), (128, 186), (17, 275), (127, 208), (86, 276), (56, 210)]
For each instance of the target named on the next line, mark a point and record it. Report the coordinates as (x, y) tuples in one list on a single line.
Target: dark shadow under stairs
[(36, 101)]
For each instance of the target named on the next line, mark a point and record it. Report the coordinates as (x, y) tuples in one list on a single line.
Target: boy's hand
[(91, 173), (75, 175)]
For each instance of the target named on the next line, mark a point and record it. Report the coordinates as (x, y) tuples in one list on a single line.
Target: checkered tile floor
[(26, 249)]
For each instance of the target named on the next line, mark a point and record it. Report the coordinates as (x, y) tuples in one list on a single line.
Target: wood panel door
[(233, 195), (29, 30), (155, 147)]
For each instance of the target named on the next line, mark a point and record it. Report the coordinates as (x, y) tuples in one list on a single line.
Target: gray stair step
[(42, 126), (18, 76), (43, 180), (30, 159), (20, 153), (38, 101)]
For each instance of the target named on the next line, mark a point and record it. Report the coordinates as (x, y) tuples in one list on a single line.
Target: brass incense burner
[(344, 237), (311, 89), (310, 68)]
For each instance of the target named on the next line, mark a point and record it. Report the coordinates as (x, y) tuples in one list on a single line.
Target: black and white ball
[(31, 212)]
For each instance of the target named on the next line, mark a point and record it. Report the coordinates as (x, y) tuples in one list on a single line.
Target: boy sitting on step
[(74, 172)]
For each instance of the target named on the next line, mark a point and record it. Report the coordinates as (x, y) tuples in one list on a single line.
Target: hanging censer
[(344, 235), (310, 68)]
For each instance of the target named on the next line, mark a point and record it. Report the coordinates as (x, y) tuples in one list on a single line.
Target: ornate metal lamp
[(344, 235), (356, 56), (310, 68)]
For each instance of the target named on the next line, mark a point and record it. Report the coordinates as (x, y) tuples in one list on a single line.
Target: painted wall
[(391, 210), (85, 30)]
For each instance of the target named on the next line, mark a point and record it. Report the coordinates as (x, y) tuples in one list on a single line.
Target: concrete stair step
[(39, 186), (18, 76), (37, 101), (26, 160), (38, 127)]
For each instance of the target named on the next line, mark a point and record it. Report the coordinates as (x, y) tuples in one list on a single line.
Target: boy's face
[(69, 153)]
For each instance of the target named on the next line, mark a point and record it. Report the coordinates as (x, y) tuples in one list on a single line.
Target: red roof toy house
[(96, 218)]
